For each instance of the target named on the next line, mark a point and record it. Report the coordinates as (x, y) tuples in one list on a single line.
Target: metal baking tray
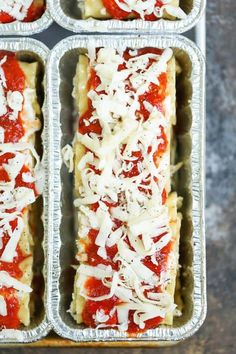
[(68, 15), (190, 135), (28, 50), (27, 28)]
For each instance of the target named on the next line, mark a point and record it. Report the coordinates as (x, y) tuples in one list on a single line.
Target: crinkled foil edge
[(108, 26), (198, 187), (41, 330), (27, 29)]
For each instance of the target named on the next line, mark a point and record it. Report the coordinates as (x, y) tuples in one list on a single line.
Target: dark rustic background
[(217, 336)]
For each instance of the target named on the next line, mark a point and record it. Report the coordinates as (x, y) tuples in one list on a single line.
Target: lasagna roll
[(126, 9), (128, 223), (23, 11), (20, 184)]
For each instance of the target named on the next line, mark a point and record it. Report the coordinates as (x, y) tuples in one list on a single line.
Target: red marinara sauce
[(5, 18), (11, 320), (84, 126), (117, 13), (19, 182), (94, 287), (35, 11), (13, 268), (15, 81)]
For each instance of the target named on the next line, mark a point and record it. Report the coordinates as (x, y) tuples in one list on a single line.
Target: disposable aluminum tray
[(69, 15), (28, 50), (27, 28), (190, 135)]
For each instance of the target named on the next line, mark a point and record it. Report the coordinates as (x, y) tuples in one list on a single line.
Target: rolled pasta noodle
[(123, 10), (128, 223), (20, 185)]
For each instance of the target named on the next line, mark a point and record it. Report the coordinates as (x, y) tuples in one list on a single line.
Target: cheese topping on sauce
[(150, 10), (20, 10), (125, 245), (19, 178)]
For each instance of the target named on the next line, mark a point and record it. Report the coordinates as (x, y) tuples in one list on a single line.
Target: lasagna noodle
[(96, 9), (26, 241), (81, 105), (31, 124)]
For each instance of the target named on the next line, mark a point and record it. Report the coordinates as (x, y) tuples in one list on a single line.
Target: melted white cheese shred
[(148, 7), (115, 107), (17, 9)]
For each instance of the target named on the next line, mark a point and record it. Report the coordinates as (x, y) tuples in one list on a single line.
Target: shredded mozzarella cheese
[(16, 8), (21, 169), (136, 200), (148, 7)]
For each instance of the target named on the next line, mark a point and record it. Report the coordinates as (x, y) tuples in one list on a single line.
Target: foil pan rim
[(27, 28), (108, 26), (197, 159), (42, 329)]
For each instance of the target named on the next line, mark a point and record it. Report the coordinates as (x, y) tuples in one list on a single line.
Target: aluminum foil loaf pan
[(27, 28), (190, 184), (68, 14), (31, 50)]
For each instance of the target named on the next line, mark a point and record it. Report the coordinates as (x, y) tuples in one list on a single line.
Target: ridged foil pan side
[(27, 28), (61, 68), (67, 15), (39, 327)]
